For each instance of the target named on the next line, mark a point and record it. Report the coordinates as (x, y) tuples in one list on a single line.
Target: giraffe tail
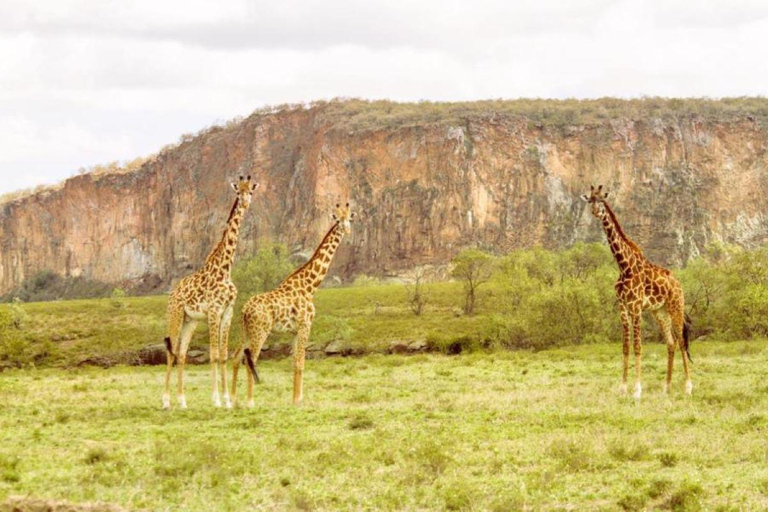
[(248, 356), (687, 336), (169, 348)]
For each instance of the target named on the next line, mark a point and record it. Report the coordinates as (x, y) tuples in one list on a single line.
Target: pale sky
[(84, 82)]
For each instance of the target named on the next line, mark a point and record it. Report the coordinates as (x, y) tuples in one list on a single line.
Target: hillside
[(426, 179)]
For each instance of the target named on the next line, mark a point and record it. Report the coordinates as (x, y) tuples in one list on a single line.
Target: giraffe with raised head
[(209, 295), (643, 286), (289, 308)]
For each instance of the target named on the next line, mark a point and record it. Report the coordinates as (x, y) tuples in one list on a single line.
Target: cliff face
[(422, 191)]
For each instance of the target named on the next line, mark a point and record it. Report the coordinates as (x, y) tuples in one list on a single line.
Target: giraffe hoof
[(251, 404), (227, 402), (688, 388), (166, 401), (666, 388), (623, 389), (638, 391), (182, 402)]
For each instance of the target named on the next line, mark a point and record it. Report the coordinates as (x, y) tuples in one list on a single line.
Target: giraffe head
[(597, 199), (244, 189), (343, 216)]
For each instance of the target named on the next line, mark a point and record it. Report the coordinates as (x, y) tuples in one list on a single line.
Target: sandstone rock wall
[(422, 190)]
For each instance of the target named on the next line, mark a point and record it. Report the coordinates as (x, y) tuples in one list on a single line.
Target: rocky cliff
[(426, 180)]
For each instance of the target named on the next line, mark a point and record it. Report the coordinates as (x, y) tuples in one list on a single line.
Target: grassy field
[(480, 431), (366, 319)]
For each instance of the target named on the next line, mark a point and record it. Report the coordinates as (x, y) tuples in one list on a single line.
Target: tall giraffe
[(643, 286), (289, 308), (208, 294)]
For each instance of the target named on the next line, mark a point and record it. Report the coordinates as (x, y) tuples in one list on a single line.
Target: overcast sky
[(87, 82)]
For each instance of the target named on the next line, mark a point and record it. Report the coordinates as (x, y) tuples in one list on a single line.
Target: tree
[(263, 271), (473, 268), (417, 295)]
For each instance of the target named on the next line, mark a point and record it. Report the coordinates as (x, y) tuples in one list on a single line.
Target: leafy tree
[(473, 268), (263, 271)]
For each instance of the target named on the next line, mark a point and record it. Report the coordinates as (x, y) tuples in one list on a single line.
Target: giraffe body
[(289, 308), (209, 295), (643, 286)]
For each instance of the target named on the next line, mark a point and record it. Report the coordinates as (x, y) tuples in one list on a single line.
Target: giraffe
[(289, 308), (208, 294), (643, 286)]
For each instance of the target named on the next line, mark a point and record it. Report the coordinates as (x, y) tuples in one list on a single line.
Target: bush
[(556, 298), (727, 292), (263, 271), (118, 298)]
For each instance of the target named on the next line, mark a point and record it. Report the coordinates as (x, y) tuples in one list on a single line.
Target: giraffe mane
[(314, 254), (212, 255), (631, 243), (234, 208)]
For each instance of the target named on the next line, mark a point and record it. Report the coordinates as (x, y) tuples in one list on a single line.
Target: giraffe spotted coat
[(289, 308), (643, 286)]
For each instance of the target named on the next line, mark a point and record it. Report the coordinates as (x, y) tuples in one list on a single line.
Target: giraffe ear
[(333, 216), (605, 196), (584, 198), (352, 216), (254, 186), (234, 186)]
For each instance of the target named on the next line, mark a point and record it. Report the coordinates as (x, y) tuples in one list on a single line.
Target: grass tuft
[(629, 451), (668, 459), (361, 422), (686, 497)]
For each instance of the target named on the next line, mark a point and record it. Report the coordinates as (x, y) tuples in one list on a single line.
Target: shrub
[(118, 298), (263, 271)]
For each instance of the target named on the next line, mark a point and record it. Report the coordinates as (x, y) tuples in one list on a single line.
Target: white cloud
[(85, 82)]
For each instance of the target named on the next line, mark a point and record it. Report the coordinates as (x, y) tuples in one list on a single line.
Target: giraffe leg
[(665, 326), (626, 326), (181, 357), (226, 321), (299, 353), (678, 320), (636, 325), (258, 337), (175, 321), (214, 325), (235, 369)]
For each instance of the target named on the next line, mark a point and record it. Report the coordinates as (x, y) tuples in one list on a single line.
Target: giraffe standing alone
[(208, 294), (289, 308), (643, 286)]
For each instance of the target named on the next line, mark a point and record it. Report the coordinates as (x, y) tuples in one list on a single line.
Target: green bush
[(263, 271), (727, 292)]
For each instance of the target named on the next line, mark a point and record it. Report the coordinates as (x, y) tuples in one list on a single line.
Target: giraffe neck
[(310, 275), (625, 251), (223, 255)]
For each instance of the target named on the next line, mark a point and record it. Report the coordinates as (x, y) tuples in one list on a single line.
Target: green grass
[(500, 431), (65, 333)]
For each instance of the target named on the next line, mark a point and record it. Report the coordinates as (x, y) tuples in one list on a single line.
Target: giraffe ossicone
[(289, 308), (209, 294), (643, 286)]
